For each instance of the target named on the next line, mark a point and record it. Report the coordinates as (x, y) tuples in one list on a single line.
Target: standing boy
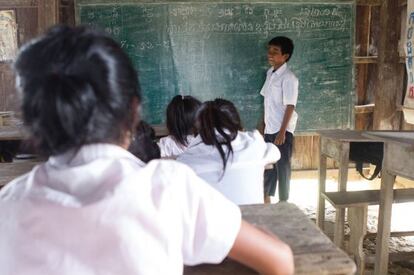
[(280, 92)]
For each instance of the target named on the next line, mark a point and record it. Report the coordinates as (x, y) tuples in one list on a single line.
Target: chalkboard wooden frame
[(329, 107)]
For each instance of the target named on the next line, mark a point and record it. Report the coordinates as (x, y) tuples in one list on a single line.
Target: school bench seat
[(357, 203)]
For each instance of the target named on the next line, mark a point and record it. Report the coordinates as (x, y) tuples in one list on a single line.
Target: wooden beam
[(368, 2), (48, 14), (365, 59), (402, 3), (363, 22), (394, 257), (17, 3), (390, 71), (372, 235)]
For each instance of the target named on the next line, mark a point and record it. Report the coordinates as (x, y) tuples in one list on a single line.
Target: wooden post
[(390, 71), (48, 14), (384, 218), (320, 217), (342, 182), (357, 220)]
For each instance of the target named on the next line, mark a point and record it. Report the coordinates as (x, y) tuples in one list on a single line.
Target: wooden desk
[(8, 133), (335, 144), (398, 161), (160, 130), (12, 170), (313, 251)]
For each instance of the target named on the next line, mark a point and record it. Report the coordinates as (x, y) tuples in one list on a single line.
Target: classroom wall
[(33, 16)]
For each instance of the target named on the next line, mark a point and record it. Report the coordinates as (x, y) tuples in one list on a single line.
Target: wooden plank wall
[(26, 17), (33, 17)]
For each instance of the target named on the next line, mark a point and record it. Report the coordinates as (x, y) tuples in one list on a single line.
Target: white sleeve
[(167, 145), (211, 222), (272, 154), (262, 91), (162, 145), (290, 88)]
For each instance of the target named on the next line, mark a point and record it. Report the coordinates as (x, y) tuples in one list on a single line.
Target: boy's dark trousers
[(281, 170)]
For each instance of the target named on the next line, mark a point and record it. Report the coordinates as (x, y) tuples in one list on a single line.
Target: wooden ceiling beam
[(4, 4)]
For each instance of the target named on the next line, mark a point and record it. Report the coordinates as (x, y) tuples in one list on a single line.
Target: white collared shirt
[(279, 90), (242, 181), (170, 148), (100, 211)]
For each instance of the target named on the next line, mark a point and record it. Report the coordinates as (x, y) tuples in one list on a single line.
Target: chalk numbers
[(113, 31)]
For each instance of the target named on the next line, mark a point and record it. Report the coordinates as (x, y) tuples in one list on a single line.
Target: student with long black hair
[(180, 124), (93, 207), (229, 159)]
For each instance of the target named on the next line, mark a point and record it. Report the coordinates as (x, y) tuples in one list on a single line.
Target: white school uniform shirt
[(242, 181), (279, 90), (169, 147), (100, 211)]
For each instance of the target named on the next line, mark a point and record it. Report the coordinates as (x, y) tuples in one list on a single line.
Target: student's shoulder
[(168, 169), (166, 140), (289, 75)]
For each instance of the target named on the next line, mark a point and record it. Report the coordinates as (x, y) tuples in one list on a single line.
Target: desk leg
[(320, 217), (384, 223), (342, 181), (357, 219)]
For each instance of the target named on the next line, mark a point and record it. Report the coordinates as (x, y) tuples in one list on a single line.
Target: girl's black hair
[(78, 88), (143, 145), (218, 123), (180, 117)]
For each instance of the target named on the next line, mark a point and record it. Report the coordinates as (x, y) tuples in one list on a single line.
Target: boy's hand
[(280, 138)]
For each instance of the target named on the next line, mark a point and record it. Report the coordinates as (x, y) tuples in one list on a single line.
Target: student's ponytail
[(59, 109), (217, 126), (181, 113)]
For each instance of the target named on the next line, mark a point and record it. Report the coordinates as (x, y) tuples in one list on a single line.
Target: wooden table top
[(12, 133), (405, 138), (314, 253), (12, 170), (345, 135)]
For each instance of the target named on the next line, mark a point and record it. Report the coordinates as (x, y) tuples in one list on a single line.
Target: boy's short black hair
[(285, 44)]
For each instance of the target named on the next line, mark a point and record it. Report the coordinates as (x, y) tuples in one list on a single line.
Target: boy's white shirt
[(101, 211), (169, 147), (242, 181), (279, 90)]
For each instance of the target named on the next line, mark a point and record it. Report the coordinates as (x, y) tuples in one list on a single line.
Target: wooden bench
[(357, 203)]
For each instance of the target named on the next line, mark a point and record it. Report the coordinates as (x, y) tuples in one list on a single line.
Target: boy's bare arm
[(263, 252), (261, 125), (281, 136)]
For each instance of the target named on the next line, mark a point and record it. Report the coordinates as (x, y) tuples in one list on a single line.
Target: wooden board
[(314, 253)]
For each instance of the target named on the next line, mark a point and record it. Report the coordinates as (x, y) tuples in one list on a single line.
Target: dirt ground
[(303, 193)]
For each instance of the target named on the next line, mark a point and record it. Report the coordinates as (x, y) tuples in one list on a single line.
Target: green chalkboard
[(218, 49)]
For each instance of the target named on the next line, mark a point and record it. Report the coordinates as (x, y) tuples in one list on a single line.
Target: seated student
[(143, 145), (93, 208), (180, 125), (231, 160)]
